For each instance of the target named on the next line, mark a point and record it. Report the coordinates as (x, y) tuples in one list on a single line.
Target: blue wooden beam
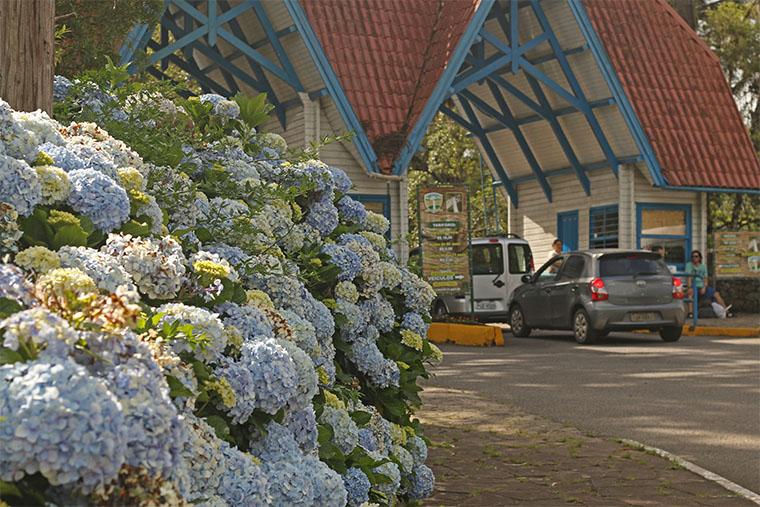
[(515, 35), (274, 40), (575, 86), (212, 7), (567, 149), (569, 171), (490, 152), (478, 131), (234, 55), (521, 140), (611, 78), (563, 111), (439, 93)]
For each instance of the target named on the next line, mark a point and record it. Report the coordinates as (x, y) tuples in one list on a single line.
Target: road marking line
[(696, 469)]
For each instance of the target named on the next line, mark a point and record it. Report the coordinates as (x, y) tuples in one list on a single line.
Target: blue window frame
[(378, 203), (666, 225), (603, 227)]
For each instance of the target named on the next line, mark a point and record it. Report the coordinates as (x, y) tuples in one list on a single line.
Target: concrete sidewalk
[(488, 454)]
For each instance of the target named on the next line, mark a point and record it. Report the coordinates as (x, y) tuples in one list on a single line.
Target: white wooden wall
[(536, 219)]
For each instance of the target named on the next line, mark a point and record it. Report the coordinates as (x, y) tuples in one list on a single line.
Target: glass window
[(629, 264), (573, 267), (603, 227), (487, 259), (668, 226), (663, 222), (519, 258), (550, 270)]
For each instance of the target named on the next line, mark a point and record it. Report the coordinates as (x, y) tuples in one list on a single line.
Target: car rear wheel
[(671, 334), (517, 322), (582, 330)]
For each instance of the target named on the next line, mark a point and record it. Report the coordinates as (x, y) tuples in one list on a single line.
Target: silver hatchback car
[(594, 292)]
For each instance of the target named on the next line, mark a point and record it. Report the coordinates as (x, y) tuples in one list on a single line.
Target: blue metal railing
[(695, 295)]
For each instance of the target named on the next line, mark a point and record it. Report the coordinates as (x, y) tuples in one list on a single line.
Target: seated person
[(696, 267)]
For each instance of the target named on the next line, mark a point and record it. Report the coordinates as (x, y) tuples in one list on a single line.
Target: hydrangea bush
[(192, 313)]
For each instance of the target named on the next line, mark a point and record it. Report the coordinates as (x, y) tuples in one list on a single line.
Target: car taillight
[(677, 288), (532, 266), (598, 290)]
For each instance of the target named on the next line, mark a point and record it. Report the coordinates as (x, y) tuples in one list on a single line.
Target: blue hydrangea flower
[(304, 334), (414, 322), (303, 424), (204, 323), (356, 319), (349, 264), (19, 185), (63, 156), (380, 312), (380, 372), (340, 180), (306, 387), (418, 295), (221, 106), (104, 269), (242, 382), (99, 198), (232, 254), (61, 87), (345, 432), (243, 481), (41, 327), (250, 321), (418, 448), (60, 422), (202, 460), (422, 482), (14, 285), (351, 210), (357, 486), (327, 484), (367, 439), (391, 471), (275, 379), (288, 484), (153, 426), (278, 444), (323, 215)]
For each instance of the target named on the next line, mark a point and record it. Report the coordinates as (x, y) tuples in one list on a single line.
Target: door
[(535, 301), (519, 263), (563, 293), (567, 230), (488, 283)]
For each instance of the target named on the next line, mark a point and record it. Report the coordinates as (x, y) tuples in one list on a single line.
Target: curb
[(465, 334), (696, 469), (736, 332)]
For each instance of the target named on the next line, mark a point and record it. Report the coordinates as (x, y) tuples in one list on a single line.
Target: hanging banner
[(737, 254), (445, 239)]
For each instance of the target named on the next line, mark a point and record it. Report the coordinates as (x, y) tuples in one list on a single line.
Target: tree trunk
[(27, 48)]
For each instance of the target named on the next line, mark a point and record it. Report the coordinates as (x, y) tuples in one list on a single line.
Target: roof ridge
[(689, 30)]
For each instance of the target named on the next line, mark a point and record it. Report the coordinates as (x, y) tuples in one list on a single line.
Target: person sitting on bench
[(706, 293)]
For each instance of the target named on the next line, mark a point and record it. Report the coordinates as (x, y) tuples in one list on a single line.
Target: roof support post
[(490, 152)]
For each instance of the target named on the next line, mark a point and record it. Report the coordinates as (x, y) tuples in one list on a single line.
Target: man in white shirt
[(556, 250)]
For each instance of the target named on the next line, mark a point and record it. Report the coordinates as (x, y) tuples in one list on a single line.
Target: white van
[(498, 264)]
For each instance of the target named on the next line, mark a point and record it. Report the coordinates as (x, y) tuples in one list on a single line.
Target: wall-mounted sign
[(445, 239), (737, 254)]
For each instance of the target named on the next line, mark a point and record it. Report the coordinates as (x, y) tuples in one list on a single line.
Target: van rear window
[(487, 259), (632, 264), (519, 258)]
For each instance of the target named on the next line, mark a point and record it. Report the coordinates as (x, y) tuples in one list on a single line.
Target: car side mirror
[(527, 279), (498, 283)]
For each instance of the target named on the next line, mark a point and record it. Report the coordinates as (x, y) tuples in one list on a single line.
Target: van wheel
[(439, 311), (517, 322), (582, 330), (671, 334)]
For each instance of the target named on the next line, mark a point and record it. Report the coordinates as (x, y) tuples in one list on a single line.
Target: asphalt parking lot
[(698, 398)]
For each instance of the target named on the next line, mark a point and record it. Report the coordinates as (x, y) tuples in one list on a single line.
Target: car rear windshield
[(519, 258), (487, 259), (632, 264)]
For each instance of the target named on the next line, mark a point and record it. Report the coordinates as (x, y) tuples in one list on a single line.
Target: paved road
[(698, 398)]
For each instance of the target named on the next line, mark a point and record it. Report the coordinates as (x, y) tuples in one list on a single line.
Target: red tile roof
[(678, 91), (388, 55)]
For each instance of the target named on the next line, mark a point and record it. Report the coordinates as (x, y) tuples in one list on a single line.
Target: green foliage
[(96, 29), (732, 29), (450, 156)]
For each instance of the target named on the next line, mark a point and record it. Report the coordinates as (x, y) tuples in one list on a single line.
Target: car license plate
[(644, 316), (485, 305)]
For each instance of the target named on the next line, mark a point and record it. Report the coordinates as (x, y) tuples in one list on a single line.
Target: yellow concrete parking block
[(465, 334), (736, 332)]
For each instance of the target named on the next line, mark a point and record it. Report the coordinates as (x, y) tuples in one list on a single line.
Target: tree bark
[(27, 48)]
